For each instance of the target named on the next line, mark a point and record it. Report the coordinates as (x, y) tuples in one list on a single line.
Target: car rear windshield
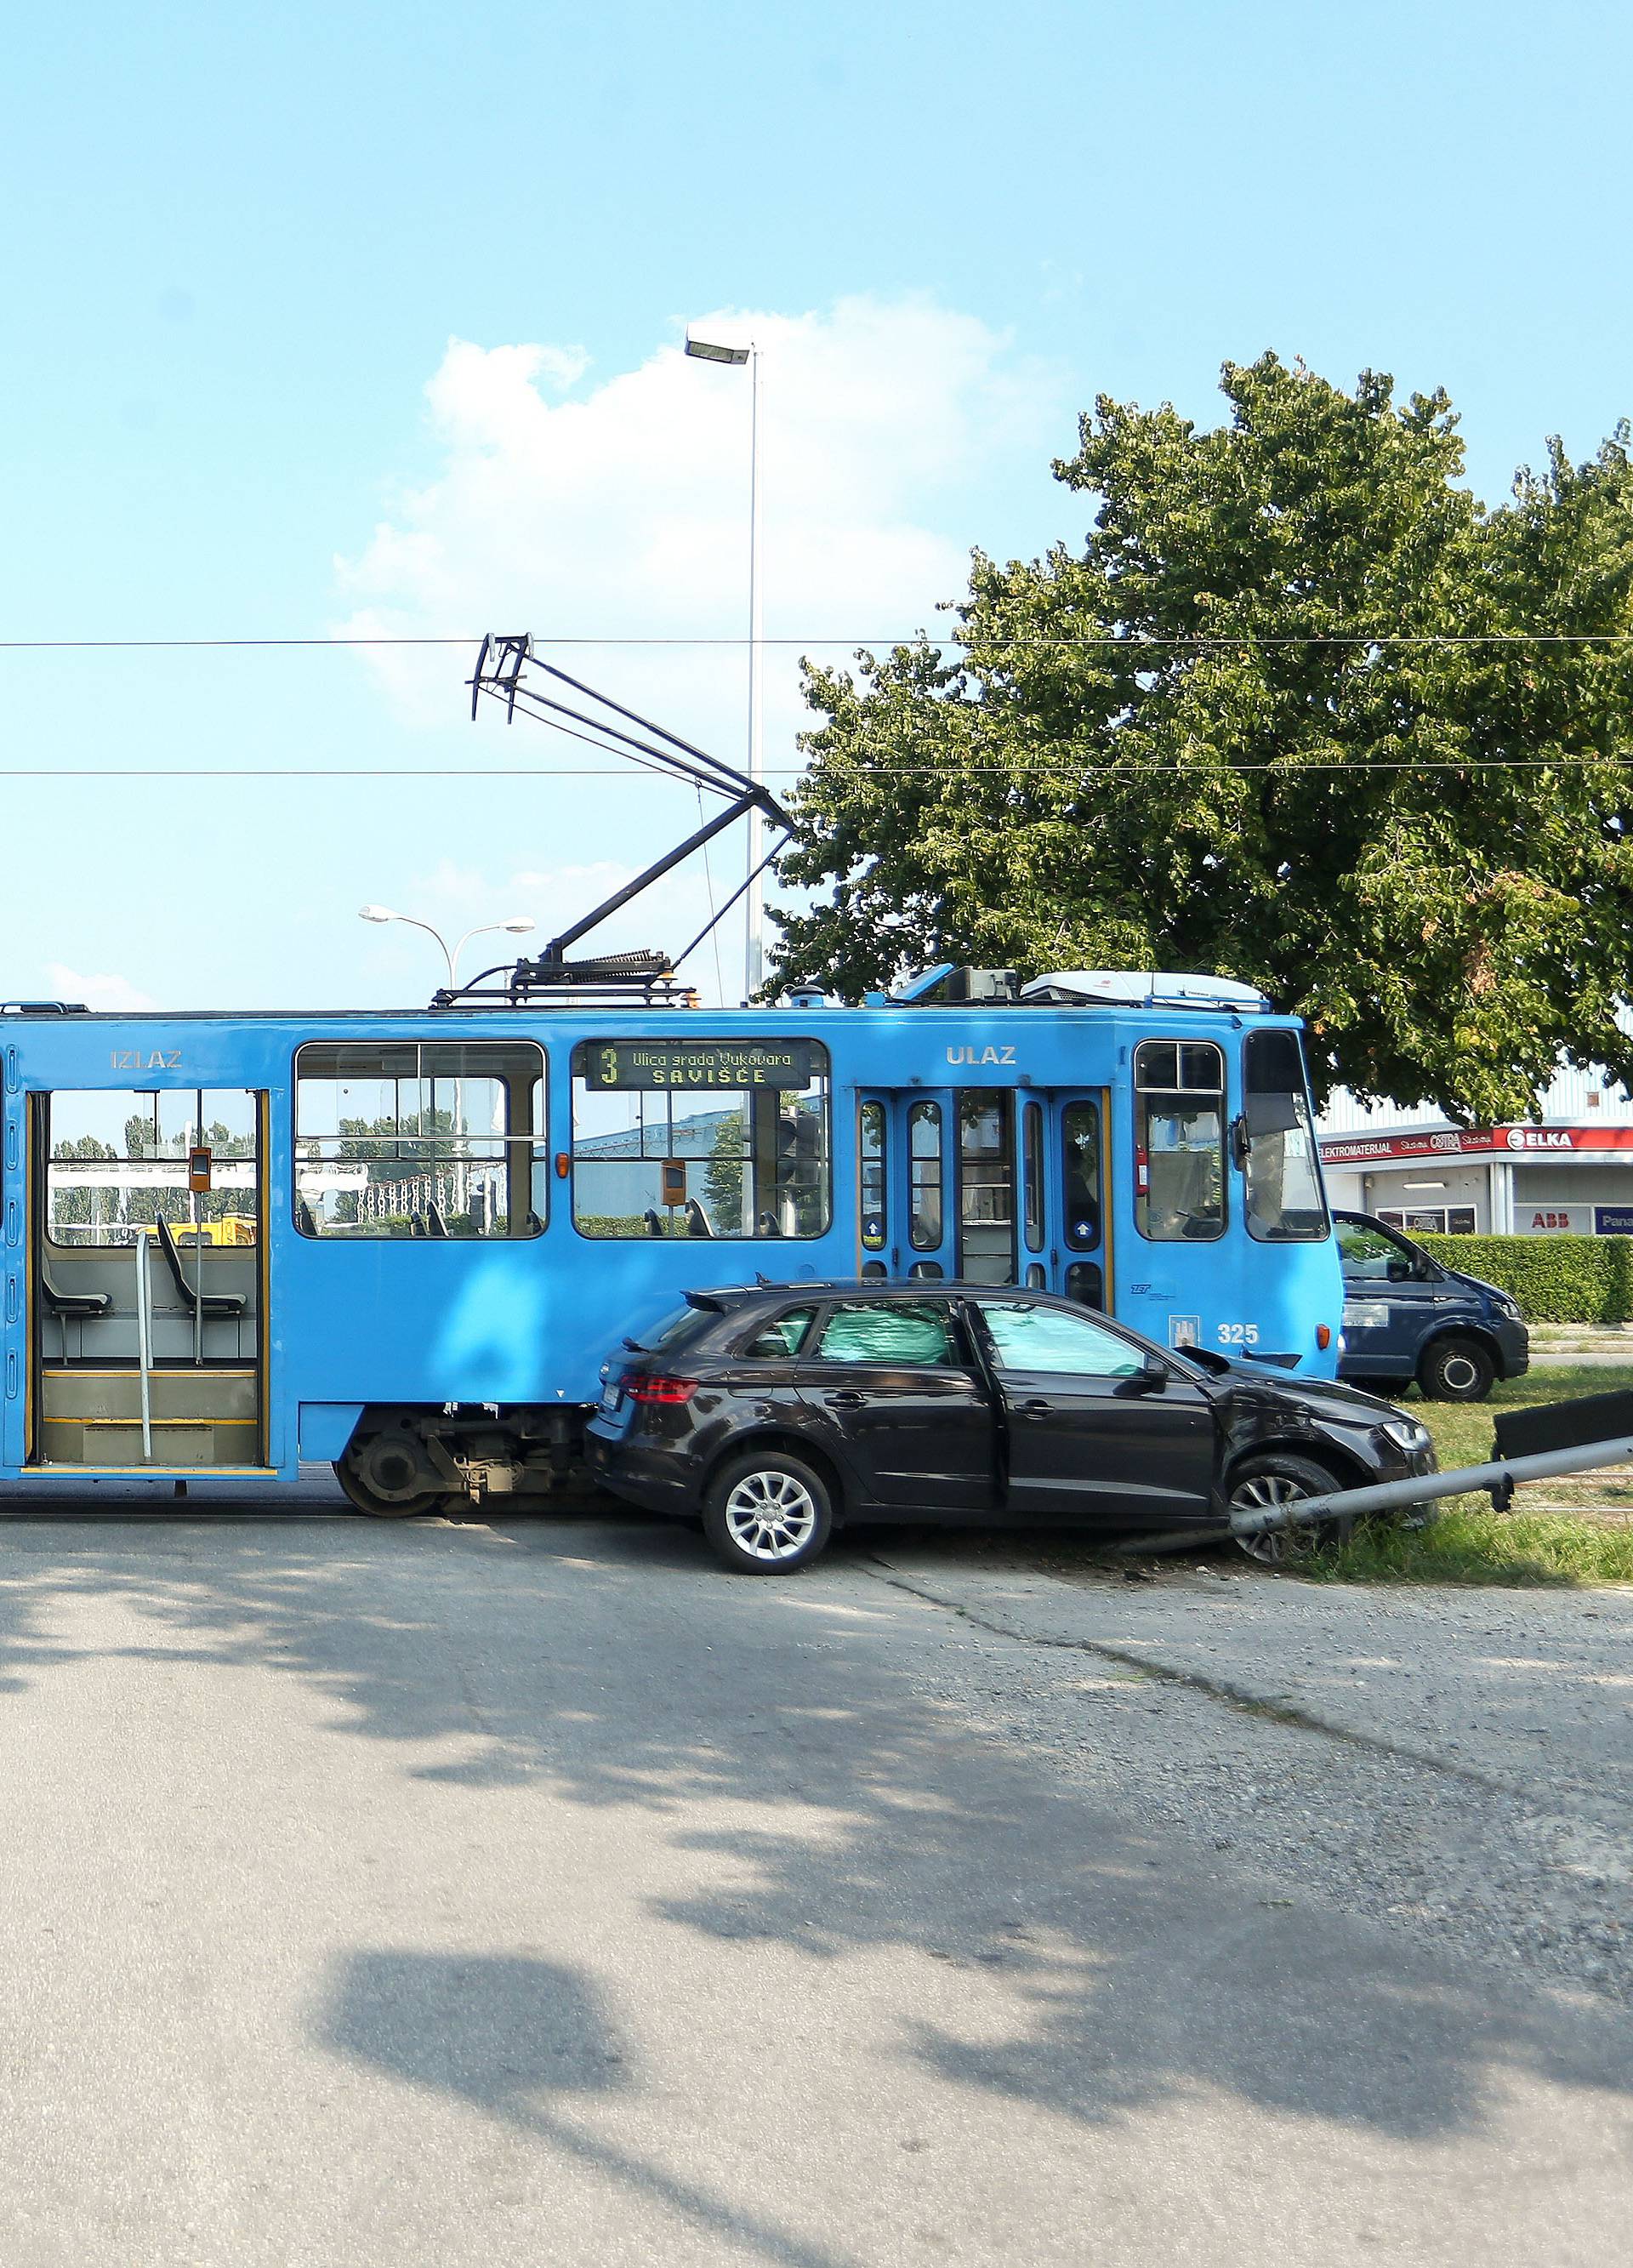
[(676, 1328), (775, 1337)]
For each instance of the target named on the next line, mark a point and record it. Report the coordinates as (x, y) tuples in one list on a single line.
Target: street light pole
[(518, 924), (754, 910), (754, 903)]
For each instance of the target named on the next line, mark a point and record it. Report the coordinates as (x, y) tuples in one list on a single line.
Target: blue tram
[(404, 1242)]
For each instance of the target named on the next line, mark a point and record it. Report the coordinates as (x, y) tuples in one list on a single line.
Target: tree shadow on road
[(520, 2039), (777, 1734)]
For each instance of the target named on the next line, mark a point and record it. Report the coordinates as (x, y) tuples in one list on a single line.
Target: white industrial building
[(1570, 1173)]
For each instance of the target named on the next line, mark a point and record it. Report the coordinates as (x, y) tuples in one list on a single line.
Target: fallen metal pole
[(1463, 1480)]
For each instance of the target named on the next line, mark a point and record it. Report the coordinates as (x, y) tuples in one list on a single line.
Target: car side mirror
[(1400, 1271), (1152, 1376)]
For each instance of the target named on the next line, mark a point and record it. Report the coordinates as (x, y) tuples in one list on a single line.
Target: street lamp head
[(376, 914), (518, 924), (702, 350)]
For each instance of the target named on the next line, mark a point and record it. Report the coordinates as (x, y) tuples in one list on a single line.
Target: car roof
[(874, 1287)]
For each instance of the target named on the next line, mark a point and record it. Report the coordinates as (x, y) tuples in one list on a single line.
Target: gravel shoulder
[(1457, 1764)]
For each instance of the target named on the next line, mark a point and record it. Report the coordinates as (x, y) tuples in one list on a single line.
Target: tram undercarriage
[(403, 1462)]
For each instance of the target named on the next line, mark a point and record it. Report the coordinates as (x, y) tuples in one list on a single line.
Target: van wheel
[(1278, 1477), (1456, 1370), (768, 1514)]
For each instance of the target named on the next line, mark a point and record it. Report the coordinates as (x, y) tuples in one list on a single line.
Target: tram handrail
[(144, 1340)]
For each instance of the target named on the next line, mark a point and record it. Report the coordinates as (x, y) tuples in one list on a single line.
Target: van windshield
[(1372, 1254)]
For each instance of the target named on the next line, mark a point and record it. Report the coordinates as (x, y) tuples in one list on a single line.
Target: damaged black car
[(776, 1412)]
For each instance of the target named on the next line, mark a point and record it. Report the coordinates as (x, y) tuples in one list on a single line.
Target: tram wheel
[(378, 1477), (1266, 1483)]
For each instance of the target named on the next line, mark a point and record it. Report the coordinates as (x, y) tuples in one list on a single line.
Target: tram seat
[(417, 1225), (654, 1221), (84, 1305), (697, 1221), (218, 1307), (305, 1220), (435, 1225), (766, 1225)]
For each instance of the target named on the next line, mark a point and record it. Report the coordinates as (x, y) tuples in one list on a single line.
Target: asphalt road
[(530, 1892)]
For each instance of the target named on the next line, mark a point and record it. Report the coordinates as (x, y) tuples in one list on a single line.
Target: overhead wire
[(1106, 767), (1108, 640)]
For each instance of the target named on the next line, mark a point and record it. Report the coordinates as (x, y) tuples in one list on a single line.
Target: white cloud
[(113, 995), (620, 510), (617, 508)]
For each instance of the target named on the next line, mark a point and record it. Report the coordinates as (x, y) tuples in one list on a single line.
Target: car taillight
[(666, 1391), (1323, 1336)]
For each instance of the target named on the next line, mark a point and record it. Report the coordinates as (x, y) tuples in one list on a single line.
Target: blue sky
[(241, 241)]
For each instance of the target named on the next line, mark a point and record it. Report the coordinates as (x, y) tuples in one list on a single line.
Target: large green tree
[(1301, 712)]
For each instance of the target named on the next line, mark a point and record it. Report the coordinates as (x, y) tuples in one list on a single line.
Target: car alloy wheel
[(767, 1514), (1266, 1485), (770, 1515)]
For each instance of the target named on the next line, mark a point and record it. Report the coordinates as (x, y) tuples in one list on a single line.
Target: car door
[(896, 1385), (1392, 1296), (1089, 1434)]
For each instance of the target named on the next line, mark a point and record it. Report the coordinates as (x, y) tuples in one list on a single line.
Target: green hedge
[(1557, 1279)]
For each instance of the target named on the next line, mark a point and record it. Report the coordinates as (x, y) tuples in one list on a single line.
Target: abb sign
[(1554, 1221)]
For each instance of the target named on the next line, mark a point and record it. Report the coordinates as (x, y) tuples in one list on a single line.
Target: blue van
[(1406, 1317)]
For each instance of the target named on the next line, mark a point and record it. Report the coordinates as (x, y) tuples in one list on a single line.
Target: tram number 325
[(1238, 1335)]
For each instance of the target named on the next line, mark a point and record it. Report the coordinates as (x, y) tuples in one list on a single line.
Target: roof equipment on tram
[(1141, 987), (512, 671)]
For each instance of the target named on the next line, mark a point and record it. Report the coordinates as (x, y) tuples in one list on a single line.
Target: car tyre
[(1456, 1370), (1279, 1478), (768, 1514)]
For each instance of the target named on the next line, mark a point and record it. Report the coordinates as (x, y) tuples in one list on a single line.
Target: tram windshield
[(1285, 1204), (701, 1137)]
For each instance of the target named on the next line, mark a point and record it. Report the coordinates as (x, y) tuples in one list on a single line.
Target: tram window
[(924, 1177), (701, 1137), (116, 1162), (1285, 1204), (412, 1139), (1085, 1284), (872, 1152), (1080, 1174), (1178, 1183), (1031, 1173), (986, 1185)]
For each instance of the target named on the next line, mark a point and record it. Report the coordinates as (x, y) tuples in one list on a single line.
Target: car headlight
[(1509, 1307), (1406, 1433)]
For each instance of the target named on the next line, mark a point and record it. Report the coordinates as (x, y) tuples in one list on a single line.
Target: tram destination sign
[(646, 1064)]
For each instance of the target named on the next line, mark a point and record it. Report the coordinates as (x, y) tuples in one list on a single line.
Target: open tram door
[(988, 1184), (147, 1281)]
